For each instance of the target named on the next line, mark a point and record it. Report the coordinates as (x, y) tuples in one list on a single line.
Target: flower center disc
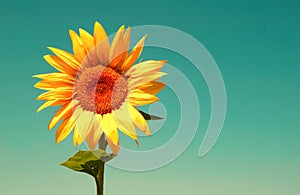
[(100, 89)]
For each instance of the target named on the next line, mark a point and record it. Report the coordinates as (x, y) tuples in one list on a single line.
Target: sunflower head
[(99, 86)]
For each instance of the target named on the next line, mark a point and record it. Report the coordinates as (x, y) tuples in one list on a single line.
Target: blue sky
[(256, 46)]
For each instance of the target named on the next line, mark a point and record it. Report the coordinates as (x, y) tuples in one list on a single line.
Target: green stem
[(99, 178)]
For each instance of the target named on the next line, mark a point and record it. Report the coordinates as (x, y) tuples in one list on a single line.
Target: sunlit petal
[(124, 121), (134, 55)]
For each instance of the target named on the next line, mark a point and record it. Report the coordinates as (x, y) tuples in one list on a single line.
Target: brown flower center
[(100, 89)]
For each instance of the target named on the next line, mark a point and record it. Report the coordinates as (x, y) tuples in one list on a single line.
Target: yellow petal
[(99, 33), (84, 121), (94, 136), (109, 127), (102, 52), (139, 98), (63, 113), (119, 48), (134, 55), (123, 50), (138, 120), (64, 129), (52, 103), (78, 48), (152, 87), (98, 127), (90, 140), (115, 148), (62, 93), (56, 76), (76, 138), (102, 45), (59, 64), (89, 46), (66, 57), (124, 121), (115, 46), (87, 40), (133, 83), (126, 41), (51, 85), (145, 68)]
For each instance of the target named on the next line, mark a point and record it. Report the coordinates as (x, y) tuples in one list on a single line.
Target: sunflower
[(98, 87)]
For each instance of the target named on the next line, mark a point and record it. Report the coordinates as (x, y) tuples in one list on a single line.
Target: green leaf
[(88, 161), (149, 116)]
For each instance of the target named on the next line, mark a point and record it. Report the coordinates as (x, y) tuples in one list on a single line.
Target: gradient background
[(256, 45)]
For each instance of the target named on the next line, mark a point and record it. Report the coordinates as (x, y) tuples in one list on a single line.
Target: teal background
[(256, 46)]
